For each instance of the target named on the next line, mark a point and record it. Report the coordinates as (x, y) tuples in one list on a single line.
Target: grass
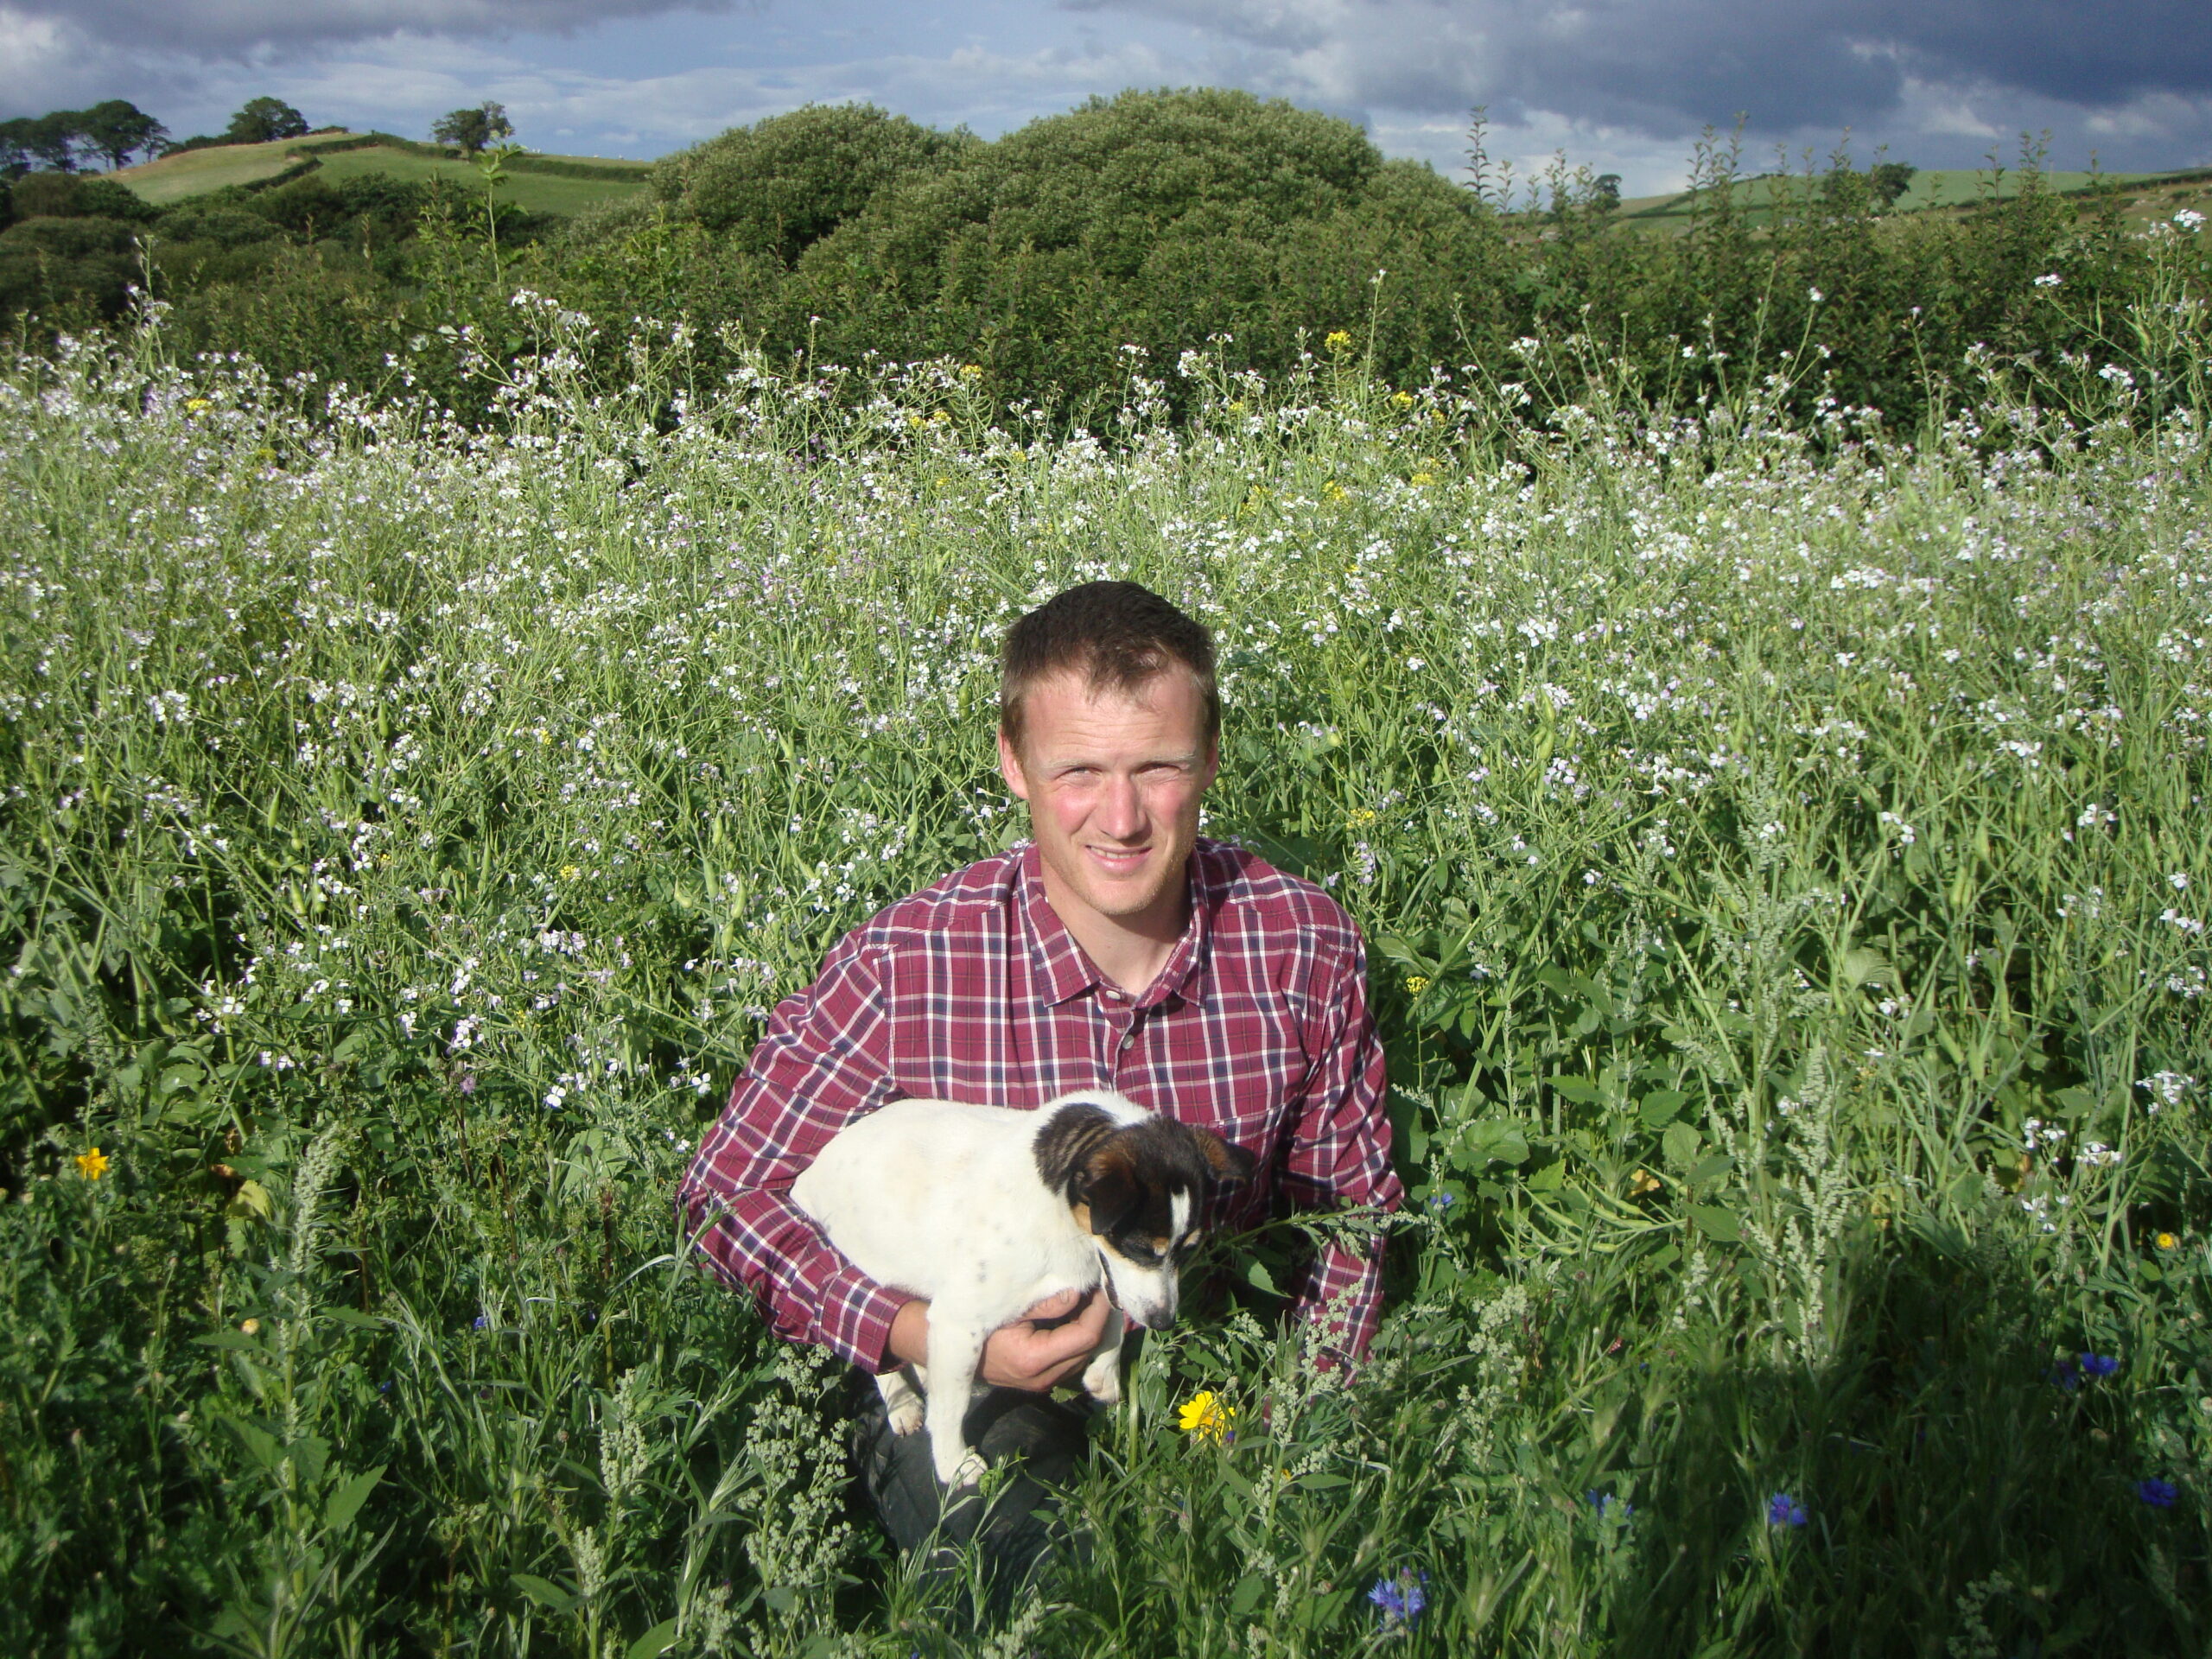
[(2146, 196), (1783, 850), (174, 178)]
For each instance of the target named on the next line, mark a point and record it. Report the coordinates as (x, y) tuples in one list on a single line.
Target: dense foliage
[(1782, 841), (1168, 221)]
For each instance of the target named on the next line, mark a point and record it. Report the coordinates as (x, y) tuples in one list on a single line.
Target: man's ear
[(1010, 768)]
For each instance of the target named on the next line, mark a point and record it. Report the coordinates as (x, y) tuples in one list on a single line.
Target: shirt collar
[(1065, 969)]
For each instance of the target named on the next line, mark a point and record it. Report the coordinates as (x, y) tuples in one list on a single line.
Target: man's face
[(1113, 783)]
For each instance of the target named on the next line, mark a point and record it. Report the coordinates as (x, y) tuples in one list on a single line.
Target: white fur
[(945, 1201)]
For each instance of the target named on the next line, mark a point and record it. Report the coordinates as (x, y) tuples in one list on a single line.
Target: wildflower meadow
[(1781, 839)]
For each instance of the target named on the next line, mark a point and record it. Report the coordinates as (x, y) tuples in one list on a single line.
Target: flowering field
[(1783, 849)]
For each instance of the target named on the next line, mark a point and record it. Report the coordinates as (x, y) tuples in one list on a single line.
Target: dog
[(985, 1212)]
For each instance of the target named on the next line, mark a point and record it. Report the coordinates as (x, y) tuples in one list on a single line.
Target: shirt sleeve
[(1339, 1159), (822, 1063)]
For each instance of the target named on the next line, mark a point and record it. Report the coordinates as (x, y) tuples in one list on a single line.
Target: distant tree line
[(1161, 221)]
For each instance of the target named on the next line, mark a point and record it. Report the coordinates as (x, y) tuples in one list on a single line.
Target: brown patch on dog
[(1066, 1144), (1229, 1162)]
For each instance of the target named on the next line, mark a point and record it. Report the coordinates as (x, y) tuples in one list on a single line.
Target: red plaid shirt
[(974, 990)]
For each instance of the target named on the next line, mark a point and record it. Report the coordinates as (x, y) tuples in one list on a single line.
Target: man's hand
[(1035, 1353)]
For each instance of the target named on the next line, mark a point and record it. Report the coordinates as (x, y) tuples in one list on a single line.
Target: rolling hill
[(548, 184)]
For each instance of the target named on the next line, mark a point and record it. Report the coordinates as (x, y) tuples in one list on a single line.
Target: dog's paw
[(967, 1470), (905, 1416), (1103, 1384)]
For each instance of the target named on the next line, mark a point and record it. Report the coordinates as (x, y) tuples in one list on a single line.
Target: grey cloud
[(217, 28), (1662, 65)]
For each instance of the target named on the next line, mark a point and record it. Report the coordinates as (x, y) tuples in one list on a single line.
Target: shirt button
[(1128, 1041), (1116, 996)]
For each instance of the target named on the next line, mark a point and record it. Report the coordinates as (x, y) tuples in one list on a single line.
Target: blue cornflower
[(2098, 1364), (1609, 1506), (384, 1386), (1439, 1203), (2159, 1494), (1783, 1510), (483, 1321), (1401, 1597)]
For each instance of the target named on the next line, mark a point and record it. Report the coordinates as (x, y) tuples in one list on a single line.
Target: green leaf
[(347, 1500), (1660, 1107), (1491, 1140), (654, 1643), (1580, 1090), (550, 1597), (1716, 1224), (1255, 1271), (1548, 1179), (1246, 1595), (1711, 1169), (1680, 1144)]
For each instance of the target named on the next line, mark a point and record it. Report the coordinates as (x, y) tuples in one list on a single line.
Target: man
[(1118, 951)]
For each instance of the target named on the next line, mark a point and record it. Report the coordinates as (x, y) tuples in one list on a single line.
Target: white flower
[(2190, 220), (2050, 281), (2180, 880), (2166, 1088), (2092, 815), (2099, 1155), (1815, 295)]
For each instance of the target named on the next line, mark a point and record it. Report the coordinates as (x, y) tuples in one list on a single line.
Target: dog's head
[(1136, 1183)]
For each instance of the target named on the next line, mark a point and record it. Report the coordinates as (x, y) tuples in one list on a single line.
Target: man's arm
[(1340, 1158), (822, 1063)]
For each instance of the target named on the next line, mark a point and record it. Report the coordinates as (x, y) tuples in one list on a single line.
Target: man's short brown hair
[(1117, 636)]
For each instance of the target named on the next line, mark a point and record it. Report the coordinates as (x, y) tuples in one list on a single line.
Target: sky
[(1622, 87)]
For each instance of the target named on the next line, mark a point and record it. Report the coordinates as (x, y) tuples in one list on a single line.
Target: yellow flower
[(971, 371), (1642, 1182), (2164, 1241), (1404, 400), (1417, 984), (249, 1327), (570, 872), (195, 404), (1206, 1415), (1420, 479), (1361, 818), (92, 1165), (1338, 341), (1333, 491)]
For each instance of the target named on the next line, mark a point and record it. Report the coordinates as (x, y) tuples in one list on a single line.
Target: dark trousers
[(1011, 1531)]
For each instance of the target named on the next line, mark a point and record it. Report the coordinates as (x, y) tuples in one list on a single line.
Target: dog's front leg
[(1102, 1378), (956, 1349)]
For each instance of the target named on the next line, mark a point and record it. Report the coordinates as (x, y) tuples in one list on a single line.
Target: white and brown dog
[(985, 1212)]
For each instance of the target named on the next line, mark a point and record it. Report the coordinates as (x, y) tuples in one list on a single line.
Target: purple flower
[(1783, 1510), (2098, 1364), (1439, 1203), (483, 1321), (1610, 1506), (2159, 1494), (1401, 1597)]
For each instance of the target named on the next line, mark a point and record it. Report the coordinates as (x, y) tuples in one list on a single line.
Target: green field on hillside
[(2144, 195), (529, 184)]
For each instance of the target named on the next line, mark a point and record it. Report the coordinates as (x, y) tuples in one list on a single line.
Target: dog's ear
[(1107, 1186), (1229, 1163), (1068, 1139)]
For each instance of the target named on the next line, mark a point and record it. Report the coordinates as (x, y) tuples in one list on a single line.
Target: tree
[(1605, 191), (470, 130), (15, 147), (113, 130), (53, 139), (264, 119), (1888, 181)]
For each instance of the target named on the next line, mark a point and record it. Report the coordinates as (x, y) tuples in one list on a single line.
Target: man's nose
[(1121, 814)]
